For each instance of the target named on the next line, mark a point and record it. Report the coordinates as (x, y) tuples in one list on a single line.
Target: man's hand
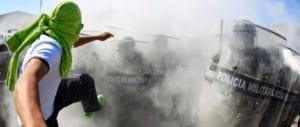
[(104, 36)]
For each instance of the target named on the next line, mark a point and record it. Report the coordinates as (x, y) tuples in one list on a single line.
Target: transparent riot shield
[(283, 112), (249, 72)]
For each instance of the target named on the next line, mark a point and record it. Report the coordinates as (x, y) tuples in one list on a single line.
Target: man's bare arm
[(26, 94), (84, 40)]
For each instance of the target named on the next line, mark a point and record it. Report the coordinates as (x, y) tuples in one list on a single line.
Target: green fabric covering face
[(63, 25)]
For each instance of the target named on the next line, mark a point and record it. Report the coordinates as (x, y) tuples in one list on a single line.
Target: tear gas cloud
[(184, 93), (195, 23)]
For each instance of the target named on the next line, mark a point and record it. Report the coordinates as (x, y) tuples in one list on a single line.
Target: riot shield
[(288, 78), (249, 74)]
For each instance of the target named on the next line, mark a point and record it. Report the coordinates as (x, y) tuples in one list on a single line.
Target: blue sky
[(293, 7), (30, 6), (33, 6)]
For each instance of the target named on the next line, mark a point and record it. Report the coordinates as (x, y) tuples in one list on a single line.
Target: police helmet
[(126, 43), (244, 26), (244, 34)]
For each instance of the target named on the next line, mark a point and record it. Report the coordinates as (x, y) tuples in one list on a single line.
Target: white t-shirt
[(48, 50)]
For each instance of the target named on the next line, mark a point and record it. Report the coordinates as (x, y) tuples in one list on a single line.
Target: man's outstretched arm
[(84, 40), (26, 94)]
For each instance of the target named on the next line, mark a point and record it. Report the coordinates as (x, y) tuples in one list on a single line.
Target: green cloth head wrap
[(63, 25)]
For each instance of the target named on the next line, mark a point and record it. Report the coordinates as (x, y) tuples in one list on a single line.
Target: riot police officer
[(243, 61), (130, 81), (130, 58), (250, 59), (244, 56)]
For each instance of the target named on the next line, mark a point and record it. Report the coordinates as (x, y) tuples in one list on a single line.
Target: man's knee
[(87, 81)]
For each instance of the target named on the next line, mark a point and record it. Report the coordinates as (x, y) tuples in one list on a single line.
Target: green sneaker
[(100, 98)]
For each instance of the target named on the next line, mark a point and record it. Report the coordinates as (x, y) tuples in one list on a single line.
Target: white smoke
[(195, 22)]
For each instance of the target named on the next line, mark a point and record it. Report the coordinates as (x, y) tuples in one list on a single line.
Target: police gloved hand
[(209, 75)]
